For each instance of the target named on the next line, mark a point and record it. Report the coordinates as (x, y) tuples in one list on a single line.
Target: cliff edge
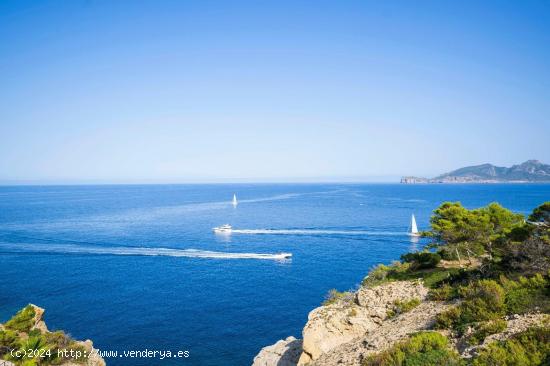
[(345, 330), (27, 330)]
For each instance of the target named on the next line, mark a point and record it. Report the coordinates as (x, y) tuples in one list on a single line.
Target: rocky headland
[(531, 171), (346, 332), (482, 298), (27, 331)]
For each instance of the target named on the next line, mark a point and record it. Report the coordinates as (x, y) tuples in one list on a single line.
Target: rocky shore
[(343, 332), (465, 304), (347, 331), (27, 328)]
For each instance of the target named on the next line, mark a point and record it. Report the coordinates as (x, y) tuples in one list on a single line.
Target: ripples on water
[(136, 267)]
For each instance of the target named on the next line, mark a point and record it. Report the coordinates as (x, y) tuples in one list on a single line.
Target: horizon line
[(8, 183)]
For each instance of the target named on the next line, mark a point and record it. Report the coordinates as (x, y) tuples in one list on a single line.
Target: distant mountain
[(528, 172)]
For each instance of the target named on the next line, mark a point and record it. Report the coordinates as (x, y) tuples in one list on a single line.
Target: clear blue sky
[(124, 91)]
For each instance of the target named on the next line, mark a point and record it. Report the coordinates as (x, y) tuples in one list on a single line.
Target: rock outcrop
[(349, 330), (343, 332), (331, 326), (283, 353), (37, 323), (388, 333)]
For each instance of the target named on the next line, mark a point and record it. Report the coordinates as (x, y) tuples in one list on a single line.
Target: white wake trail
[(138, 251)]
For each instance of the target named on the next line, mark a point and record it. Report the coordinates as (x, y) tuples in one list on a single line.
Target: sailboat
[(235, 203), (413, 227)]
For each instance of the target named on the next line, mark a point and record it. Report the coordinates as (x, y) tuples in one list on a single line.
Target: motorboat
[(224, 229), (284, 255)]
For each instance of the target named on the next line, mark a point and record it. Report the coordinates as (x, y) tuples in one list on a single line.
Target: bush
[(22, 321), (526, 294), (528, 348), (50, 342), (486, 329), (422, 260), (448, 319), (18, 335), (483, 301), (400, 307), (8, 341), (334, 296), (382, 273), (438, 275), (376, 276), (422, 349), (541, 213), (445, 293)]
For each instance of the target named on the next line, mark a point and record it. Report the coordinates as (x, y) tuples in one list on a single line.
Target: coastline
[(26, 340), (480, 299)]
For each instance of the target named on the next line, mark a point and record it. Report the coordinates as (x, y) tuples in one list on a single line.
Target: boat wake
[(315, 232), (136, 251)]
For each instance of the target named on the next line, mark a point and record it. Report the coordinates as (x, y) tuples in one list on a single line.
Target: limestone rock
[(283, 353), (387, 334), (38, 319), (380, 299), (331, 326)]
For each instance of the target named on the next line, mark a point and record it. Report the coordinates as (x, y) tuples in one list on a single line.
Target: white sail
[(414, 228), (235, 200)]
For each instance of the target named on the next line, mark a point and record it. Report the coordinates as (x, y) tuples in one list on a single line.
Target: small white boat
[(284, 255), (413, 228), (224, 229), (235, 203)]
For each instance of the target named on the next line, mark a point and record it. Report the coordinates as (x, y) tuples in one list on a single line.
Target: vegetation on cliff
[(492, 264), (424, 348), (24, 340)]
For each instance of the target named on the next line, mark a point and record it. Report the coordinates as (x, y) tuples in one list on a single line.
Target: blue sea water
[(90, 255)]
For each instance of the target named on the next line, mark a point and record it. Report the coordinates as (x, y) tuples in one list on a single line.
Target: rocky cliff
[(344, 331), (349, 330), (27, 330)]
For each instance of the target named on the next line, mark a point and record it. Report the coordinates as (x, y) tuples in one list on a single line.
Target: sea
[(138, 267)]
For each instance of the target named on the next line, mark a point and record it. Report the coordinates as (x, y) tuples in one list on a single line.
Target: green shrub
[(421, 349), (444, 293), (22, 321), (438, 275), (483, 301), (18, 335), (334, 296), (422, 260), (8, 341), (398, 271), (376, 276), (382, 273), (486, 329), (400, 307), (528, 348), (541, 213), (526, 294), (448, 319), (50, 343)]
